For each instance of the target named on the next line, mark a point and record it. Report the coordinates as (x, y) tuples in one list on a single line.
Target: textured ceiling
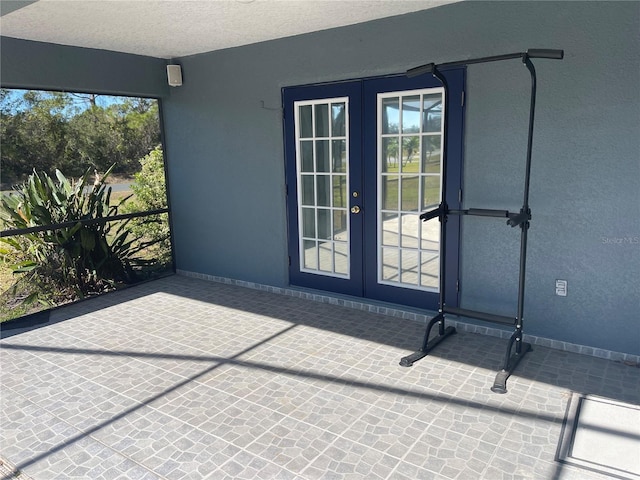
[(175, 28)]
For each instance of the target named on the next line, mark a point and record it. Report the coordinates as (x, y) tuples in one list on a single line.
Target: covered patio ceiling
[(176, 28)]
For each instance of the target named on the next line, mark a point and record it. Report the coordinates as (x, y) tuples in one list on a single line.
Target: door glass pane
[(410, 154), (409, 192), (308, 191), (431, 153), (309, 222), (339, 156), (340, 258), (324, 190), (409, 184), (339, 191), (410, 230), (323, 186), (322, 120), (340, 225), (310, 254), (430, 192), (305, 114), (429, 235), (322, 155), (325, 256), (338, 126), (390, 264), (324, 224), (390, 192), (306, 151), (429, 269), (411, 114), (390, 229), (390, 154), (390, 115), (409, 268), (432, 113)]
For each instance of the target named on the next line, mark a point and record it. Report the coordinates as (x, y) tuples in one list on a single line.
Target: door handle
[(355, 209)]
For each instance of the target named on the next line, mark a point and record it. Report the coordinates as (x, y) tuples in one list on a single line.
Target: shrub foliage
[(85, 257), (150, 192)]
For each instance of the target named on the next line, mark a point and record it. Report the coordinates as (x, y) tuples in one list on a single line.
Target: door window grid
[(321, 133), (410, 132)]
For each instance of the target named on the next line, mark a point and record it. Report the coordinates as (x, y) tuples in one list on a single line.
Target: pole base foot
[(500, 383), (409, 360)]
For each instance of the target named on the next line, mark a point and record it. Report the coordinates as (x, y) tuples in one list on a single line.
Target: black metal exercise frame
[(520, 219)]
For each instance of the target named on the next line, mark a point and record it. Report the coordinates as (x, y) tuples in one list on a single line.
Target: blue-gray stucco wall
[(37, 65), (226, 154), (226, 160)]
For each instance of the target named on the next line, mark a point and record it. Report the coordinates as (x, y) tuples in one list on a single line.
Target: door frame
[(455, 123), (362, 95), (290, 95)]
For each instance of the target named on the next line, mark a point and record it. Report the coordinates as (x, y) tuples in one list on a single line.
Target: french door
[(363, 161)]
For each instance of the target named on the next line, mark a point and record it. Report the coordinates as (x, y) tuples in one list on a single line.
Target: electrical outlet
[(561, 288)]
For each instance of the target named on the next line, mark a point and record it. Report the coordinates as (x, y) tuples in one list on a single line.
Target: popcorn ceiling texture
[(170, 29)]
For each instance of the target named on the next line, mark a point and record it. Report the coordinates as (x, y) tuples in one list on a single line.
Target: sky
[(80, 103)]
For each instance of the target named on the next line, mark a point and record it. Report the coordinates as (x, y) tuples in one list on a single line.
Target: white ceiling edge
[(177, 28)]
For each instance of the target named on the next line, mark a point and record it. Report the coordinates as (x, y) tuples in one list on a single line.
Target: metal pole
[(531, 53), (532, 110), (443, 201), (522, 220), (525, 207)]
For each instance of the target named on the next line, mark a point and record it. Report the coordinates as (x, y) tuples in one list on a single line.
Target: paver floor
[(185, 379)]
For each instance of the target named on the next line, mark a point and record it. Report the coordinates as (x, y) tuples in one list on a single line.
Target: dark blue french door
[(363, 161)]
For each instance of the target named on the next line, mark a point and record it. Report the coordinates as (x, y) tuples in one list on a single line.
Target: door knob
[(355, 209)]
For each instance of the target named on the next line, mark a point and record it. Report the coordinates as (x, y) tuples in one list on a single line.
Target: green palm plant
[(84, 255)]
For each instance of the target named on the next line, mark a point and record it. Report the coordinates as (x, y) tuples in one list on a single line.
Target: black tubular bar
[(421, 70), (88, 221), (436, 212), (532, 112), (428, 345), (487, 317), (515, 219), (520, 219), (551, 54), (443, 204), (525, 203), (531, 53), (481, 212), (511, 362)]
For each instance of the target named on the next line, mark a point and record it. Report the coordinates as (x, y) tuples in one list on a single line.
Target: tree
[(73, 132), (33, 132), (410, 147)]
